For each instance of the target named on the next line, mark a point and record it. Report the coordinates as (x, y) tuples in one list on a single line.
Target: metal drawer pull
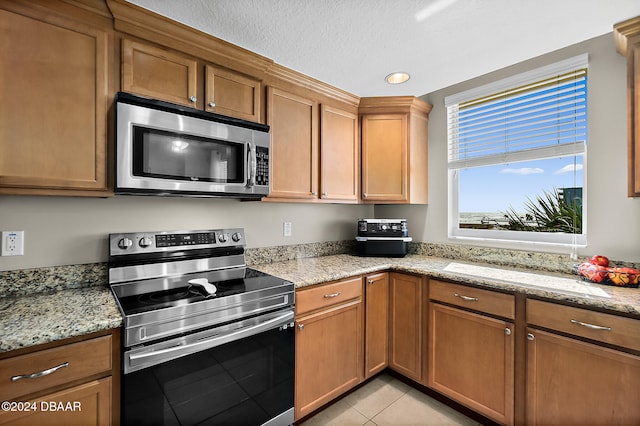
[(467, 298), (329, 296), (507, 331), (591, 326), (530, 336), (41, 373)]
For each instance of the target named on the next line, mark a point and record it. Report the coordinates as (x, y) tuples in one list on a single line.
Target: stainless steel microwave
[(167, 149)]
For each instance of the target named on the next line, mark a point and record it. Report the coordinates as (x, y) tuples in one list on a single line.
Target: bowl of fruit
[(598, 270)]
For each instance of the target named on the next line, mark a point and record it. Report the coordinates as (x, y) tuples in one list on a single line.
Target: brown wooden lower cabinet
[(71, 382), (329, 344), (570, 382), (376, 354), (88, 404), (471, 360), (466, 342), (405, 324)]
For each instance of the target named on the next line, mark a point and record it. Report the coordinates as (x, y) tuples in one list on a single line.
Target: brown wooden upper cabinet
[(627, 37), (311, 161), (164, 74), (53, 136), (394, 149)]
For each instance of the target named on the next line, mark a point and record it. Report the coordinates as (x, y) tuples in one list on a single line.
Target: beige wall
[(613, 219), (66, 231)]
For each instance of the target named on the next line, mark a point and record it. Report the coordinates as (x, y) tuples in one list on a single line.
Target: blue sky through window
[(493, 189)]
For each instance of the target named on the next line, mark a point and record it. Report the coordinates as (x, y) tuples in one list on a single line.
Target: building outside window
[(516, 157)]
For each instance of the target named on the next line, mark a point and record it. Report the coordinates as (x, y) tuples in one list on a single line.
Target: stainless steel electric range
[(206, 340)]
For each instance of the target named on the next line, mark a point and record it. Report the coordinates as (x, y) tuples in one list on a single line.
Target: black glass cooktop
[(183, 293)]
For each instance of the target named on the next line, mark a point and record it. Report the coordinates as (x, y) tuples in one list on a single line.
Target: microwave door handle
[(251, 165)]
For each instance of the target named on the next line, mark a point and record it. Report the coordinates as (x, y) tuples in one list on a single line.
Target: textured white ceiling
[(354, 44)]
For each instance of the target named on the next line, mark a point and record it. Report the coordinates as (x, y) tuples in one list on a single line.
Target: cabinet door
[(384, 157), (159, 74), (405, 324), (294, 145), (232, 94), (634, 116), (376, 357), (339, 155), (328, 355), (471, 360), (570, 382), (55, 86), (88, 404)]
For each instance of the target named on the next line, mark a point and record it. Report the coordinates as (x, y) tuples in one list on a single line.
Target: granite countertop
[(549, 285), (32, 319), (46, 317)]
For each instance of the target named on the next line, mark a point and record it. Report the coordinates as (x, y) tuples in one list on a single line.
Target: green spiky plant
[(549, 212)]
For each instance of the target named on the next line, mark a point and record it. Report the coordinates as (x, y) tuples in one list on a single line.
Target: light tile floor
[(386, 401)]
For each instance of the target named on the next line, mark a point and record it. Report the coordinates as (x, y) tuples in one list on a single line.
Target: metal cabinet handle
[(314, 193), (40, 373), (329, 296), (193, 98), (530, 336), (300, 327), (591, 326), (370, 282), (467, 298), (507, 331), (212, 104)]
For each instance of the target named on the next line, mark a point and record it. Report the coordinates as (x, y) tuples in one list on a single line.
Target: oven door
[(238, 374)]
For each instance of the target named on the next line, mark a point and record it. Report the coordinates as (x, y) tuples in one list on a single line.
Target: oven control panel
[(149, 242)]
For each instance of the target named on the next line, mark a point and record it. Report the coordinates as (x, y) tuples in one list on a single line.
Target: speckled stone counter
[(550, 285), (46, 317), (47, 304)]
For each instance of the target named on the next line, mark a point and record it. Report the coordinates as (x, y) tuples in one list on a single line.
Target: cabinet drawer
[(598, 326), (75, 361), (328, 294), (490, 302)]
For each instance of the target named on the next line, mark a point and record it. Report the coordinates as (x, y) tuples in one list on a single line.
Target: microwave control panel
[(262, 166)]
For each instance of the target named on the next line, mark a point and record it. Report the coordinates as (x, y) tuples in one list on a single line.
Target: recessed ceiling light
[(397, 77)]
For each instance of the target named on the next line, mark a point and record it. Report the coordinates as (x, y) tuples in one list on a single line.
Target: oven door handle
[(137, 361)]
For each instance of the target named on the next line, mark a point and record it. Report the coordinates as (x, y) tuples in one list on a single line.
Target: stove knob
[(236, 237), (125, 243), (145, 242), (223, 238)]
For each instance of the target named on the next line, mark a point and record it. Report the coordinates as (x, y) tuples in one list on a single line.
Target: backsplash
[(53, 278), (256, 256), (56, 278)]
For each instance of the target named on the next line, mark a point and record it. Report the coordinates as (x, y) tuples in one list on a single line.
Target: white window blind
[(541, 114)]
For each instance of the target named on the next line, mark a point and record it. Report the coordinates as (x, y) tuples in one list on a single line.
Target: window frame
[(508, 237)]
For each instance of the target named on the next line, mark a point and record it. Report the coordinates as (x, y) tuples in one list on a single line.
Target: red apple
[(600, 260)]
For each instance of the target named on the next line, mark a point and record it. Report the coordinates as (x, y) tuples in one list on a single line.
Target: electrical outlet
[(12, 243), (286, 229)]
